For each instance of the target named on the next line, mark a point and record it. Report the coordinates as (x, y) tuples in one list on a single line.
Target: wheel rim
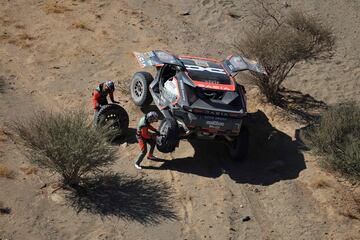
[(113, 122), (138, 89)]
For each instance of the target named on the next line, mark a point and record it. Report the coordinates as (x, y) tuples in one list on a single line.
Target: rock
[(232, 229), (185, 13), (60, 199), (124, 145), (286, 5), (5, 210), (241, 205), (245, 219)]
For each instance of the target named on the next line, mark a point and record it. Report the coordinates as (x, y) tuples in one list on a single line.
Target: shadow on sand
[(129, 138), (134, 199), (273, 156), (2, 84), (302, 105)]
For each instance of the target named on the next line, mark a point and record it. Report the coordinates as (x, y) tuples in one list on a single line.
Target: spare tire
[(169, 138), (115, 117), (239, 148), (139, 88)]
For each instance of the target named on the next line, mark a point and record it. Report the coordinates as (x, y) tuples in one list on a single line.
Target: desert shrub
[(279, 41), (65, 143), (6, 172), (337, 137)]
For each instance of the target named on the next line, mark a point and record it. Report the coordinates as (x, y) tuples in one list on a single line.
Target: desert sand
[(53, 53)]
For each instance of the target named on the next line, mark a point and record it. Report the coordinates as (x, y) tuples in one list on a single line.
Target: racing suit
[(99, 99), (144, 137)]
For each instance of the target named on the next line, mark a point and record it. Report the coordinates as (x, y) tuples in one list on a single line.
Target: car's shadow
[(273, 156), (130, 137)]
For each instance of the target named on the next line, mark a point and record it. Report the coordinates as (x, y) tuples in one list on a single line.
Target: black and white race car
[(198, 97)]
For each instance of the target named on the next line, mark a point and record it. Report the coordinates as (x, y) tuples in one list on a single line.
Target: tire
[(239, 148), (139, 88), (169, 138), (115, 117)]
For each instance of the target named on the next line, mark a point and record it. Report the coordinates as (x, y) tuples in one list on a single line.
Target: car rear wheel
[(139, 88), (239, 148), (169, 138)]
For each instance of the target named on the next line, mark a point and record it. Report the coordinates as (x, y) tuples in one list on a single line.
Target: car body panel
[(236, 64), (156, 58)]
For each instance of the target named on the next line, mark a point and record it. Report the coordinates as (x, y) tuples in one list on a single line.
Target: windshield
[(206, 71)]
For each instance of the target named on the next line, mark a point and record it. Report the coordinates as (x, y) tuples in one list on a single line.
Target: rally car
[(198, 97)]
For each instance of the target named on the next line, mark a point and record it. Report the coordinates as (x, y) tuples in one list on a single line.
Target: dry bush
[(25, 36), (66, 144), (22, 40), (29, 169), (4, 36), (6, 172), (54, 7), (281, 41), (337, 137), (123, 87), (81, 25), (320, 183), (3, 136), (20, 26)]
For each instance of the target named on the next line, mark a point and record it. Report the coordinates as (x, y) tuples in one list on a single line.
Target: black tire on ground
[(239, 148), (115, 117), (139, 88), (169, 138)]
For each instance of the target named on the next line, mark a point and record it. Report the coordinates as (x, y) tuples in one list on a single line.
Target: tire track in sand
[(186, 204)]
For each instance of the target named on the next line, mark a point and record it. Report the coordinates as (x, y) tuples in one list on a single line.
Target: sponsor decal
[(214, 86), (212, 118), (216, 113), (183, 94), (215, 123), (201, 63), (208, 69)]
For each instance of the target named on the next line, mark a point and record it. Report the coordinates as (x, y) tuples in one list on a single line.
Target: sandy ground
[(53, 53)]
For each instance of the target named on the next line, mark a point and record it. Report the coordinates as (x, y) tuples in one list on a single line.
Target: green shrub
[(337, 137), (279, 41), (65, 143)]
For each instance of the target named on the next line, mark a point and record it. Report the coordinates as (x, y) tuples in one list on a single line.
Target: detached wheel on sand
[(114, 117)]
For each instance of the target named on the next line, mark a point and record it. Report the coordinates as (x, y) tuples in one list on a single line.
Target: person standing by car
[(99, 96), (144, 137)]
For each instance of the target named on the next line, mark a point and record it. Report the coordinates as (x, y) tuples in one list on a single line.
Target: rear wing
[(236, 64), (156, 58)]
